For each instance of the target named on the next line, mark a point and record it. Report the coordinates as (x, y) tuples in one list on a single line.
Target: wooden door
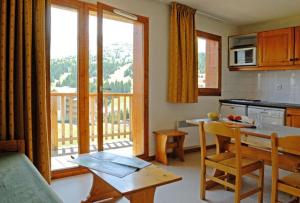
[(293, 118), (297, 46), (276, 48)]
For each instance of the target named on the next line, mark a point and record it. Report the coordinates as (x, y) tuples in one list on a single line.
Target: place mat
[(131, 161), (105, 166)]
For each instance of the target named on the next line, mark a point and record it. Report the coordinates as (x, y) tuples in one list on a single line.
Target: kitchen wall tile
[(276, 86)]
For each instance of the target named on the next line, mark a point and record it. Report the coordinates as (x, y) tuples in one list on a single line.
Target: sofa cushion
[(20, 181)]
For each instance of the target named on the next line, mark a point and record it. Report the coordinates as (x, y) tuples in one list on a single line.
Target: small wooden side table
[(163, 144)]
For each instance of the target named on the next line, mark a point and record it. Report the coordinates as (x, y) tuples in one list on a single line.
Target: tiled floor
[(75, 189)]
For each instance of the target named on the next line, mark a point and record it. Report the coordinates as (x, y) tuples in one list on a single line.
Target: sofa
[(20, 181)]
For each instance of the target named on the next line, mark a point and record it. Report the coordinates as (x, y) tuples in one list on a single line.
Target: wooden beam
[(83, 79), (100, 75)]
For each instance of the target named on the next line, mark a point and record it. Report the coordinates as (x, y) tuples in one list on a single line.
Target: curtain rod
[(133, 17), (125, 14)]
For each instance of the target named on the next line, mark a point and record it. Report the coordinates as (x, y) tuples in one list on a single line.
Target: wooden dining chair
[(228, 163), (291, 183)]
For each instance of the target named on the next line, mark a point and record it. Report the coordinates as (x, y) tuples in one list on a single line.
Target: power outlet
[(279, 87)]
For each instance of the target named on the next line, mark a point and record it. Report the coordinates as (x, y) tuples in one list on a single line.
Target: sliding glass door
[(122, 88), (98, 81), (64, 85)]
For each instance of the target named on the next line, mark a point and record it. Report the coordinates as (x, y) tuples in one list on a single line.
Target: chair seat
[(221, 156), (292, 180), (231, 162)]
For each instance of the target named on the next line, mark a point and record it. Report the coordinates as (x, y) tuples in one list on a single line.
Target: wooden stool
[(162, 144)]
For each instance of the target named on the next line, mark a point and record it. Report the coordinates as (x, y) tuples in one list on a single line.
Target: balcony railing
[(117, 114)]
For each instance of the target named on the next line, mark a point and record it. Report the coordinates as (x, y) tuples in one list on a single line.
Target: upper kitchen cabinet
[(276, 47), (297, 46)]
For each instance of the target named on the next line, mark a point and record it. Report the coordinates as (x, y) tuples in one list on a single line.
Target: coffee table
[(138, 187)]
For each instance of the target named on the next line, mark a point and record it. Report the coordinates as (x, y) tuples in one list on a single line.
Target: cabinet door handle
[(292, 59), (296, 59)]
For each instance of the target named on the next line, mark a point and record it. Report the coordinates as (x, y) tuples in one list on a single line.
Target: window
[(209, 64)]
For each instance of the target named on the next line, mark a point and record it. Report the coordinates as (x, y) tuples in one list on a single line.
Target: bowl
[(213, 116)]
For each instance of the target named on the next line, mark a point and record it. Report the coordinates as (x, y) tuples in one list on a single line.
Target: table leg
[(179, 149), (161, 149), (142, 196), (100, 191)]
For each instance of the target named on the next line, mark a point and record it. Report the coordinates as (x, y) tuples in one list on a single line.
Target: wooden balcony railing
[(117, 111)]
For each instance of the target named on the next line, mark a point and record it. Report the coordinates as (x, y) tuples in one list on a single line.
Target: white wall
[(163, 115)]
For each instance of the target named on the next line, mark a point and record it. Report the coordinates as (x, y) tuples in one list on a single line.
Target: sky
[(201, 45), (64, 32)]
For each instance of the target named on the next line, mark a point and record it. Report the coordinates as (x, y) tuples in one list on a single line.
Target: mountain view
[(117, 70)]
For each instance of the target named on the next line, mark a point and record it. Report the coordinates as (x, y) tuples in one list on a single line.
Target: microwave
[(243, 56)]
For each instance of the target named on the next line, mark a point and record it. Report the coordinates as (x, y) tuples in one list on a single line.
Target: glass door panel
[(123, 85), (117, 83), (64, 88)]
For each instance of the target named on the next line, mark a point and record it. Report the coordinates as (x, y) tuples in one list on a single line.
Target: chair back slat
[(221, 129), (290, 144)]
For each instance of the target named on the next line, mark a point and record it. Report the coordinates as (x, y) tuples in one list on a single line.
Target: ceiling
[(243, 12)]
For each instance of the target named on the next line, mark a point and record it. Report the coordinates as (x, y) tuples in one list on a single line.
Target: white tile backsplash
[(239, 85), (275, 86)]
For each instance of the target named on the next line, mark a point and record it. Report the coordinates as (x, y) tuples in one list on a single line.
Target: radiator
[(192, 139)]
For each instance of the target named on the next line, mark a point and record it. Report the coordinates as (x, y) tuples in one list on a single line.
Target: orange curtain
[(24, 77), (183, 70)]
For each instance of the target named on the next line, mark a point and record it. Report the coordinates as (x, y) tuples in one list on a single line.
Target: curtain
[(183, 70), (24, 77)]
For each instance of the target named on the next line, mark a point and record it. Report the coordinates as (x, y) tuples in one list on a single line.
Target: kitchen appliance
[(245, 56), (266, 115), (233, 109)]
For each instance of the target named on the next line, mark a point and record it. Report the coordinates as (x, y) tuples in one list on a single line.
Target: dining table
[(256, 144)]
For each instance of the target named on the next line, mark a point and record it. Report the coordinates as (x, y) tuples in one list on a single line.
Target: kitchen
[(271, 59)]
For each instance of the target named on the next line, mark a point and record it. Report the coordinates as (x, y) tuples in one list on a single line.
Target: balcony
[(117, 124)]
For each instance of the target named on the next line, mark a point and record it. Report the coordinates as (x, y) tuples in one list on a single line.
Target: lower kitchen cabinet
[(293, 117)]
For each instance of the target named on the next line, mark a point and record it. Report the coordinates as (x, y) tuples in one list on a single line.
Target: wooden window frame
[(212, 91), (83, 9)]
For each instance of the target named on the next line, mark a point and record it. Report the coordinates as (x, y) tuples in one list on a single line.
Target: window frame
[(212, 91)]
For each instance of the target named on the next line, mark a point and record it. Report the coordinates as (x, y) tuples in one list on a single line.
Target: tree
[(64, 70)]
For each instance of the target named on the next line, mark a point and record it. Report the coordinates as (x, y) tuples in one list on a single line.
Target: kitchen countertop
[(260, 103), (264, 132)]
